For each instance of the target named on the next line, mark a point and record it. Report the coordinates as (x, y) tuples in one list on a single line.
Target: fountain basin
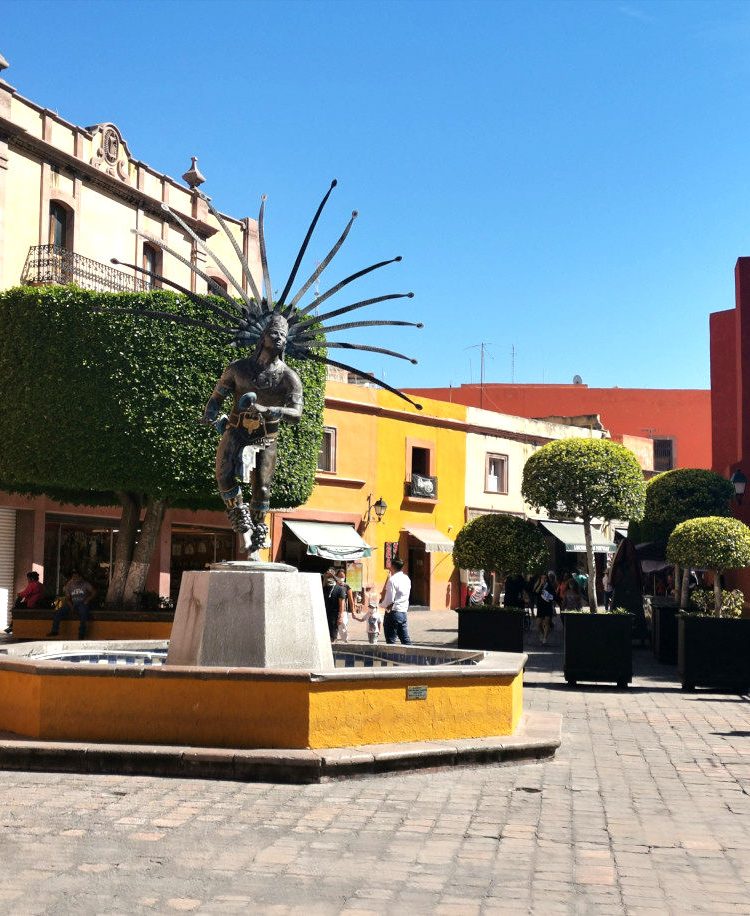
[(382, 694)]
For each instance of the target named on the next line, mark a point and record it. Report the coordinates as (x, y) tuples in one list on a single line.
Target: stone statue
[(265, 391)]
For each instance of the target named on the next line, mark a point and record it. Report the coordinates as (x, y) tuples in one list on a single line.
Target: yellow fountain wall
[(251, 712)]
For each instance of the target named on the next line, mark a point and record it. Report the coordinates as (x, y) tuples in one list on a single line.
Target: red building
[(730, 395), (676, 420)]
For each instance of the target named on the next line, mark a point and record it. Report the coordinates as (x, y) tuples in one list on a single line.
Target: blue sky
[(568, 179)]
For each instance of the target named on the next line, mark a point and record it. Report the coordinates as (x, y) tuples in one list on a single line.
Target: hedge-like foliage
[(585, 478), (501, 543), (97, 403), (711, 543), (678, 495)]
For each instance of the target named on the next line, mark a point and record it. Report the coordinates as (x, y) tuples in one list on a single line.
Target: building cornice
[(19, 137), (420, 419)]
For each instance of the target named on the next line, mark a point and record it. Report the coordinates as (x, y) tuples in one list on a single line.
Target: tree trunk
[(717, 592), (684, 589), (591, 563), (677, 581), (131, 514), (144, 551)]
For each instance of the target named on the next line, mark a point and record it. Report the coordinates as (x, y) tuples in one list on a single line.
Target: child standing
[(372, 617)]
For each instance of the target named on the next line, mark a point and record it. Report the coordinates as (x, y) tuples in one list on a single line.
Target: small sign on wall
[(416, 693), (390, 552)]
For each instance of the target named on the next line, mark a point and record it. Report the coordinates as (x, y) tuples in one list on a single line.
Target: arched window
[(151, 264), (60, 226), (219, 281)]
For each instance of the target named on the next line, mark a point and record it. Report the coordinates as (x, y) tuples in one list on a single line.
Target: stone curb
[(537, 737)]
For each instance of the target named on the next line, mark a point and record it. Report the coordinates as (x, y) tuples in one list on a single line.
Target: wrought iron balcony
[(47, 264), (422, 487)]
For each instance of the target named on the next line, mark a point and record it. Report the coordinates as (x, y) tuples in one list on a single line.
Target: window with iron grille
[(327, 454), (663, 454)]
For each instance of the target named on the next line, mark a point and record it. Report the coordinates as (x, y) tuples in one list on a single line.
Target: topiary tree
[(714, 543), (676, 496), (506, 544), (104, 408), (586, 479)]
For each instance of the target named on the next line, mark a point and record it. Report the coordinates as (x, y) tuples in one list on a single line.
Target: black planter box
[(598, 647), (714, 652), (494, 630), (664, 628)]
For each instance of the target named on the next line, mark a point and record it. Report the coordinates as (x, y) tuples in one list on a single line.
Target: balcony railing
[(422, 487), (47, 264)]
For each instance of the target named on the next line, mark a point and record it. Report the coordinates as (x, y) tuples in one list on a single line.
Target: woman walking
[(544, 591)]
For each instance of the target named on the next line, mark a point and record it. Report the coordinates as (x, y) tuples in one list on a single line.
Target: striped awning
[(572, 536), (330, 540), (434, 541)]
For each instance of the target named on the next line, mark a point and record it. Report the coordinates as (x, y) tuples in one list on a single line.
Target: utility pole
[(482, 348), (512, 363)]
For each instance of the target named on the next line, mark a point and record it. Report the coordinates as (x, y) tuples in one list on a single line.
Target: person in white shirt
[(396, 605)]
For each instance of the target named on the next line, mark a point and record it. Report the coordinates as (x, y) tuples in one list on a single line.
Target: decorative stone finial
[(193, 177), (3, 63)]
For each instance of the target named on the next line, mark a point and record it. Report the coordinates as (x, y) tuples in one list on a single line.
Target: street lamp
[(739, 481), (378, 507)]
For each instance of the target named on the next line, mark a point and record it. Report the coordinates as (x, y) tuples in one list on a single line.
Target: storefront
[(426, 550), (195, 548), (88, 544), (314, 546)]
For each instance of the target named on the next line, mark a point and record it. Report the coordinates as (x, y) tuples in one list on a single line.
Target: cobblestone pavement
[(644, 810)]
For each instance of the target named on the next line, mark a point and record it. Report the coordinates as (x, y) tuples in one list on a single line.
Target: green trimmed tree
[(586, 479), (676, 496), (103, 408), (505, 544), (714, 543)]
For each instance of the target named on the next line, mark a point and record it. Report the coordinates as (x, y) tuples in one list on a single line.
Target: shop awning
[(571, 535), (330, 540), (434, 541)]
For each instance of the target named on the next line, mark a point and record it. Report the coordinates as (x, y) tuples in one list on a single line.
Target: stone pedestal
[(251, 615)]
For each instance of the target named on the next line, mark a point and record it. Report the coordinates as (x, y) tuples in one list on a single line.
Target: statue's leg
[(260, 497), (228, 457)]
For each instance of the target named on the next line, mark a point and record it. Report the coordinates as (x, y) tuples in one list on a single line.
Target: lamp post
[(739, 481)]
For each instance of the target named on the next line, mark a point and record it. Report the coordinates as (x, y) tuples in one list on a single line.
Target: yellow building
[(377, 447)]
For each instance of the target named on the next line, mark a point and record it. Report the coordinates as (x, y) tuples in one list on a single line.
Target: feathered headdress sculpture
[(243, 321)]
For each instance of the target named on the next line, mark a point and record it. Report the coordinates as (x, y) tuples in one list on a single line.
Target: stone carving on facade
[(111, 154)]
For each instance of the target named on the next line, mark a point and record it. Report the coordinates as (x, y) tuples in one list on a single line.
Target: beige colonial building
[(70, 198)]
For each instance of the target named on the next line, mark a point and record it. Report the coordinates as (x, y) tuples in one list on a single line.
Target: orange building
[(677, 421)]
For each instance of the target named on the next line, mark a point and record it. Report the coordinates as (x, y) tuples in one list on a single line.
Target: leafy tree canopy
[(713, 542), (675, 496), (594, 478), (502, 543), (97, 403)]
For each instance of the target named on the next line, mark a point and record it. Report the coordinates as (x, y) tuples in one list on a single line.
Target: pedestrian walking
[(544, 592), (335, 601), (396, 605)]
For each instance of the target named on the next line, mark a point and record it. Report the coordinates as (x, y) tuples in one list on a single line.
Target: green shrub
[(501, 543), (580, 478), (678, 495), (586, 479), (711, 543), (98, 403), (732, 602)]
